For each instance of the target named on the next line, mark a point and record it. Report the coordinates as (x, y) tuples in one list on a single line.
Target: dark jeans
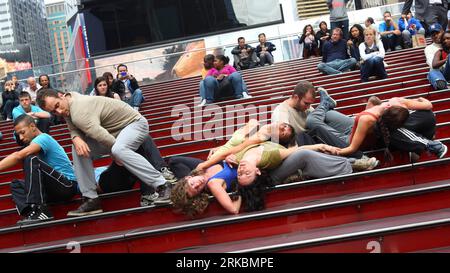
[(42, 184), (341, 24), (418, 129), (181, 166), (390, 41), (117, 178), (8, 107), (373, 67)]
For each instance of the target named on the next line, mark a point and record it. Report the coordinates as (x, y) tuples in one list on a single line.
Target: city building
[(24, 22), (58, 32)]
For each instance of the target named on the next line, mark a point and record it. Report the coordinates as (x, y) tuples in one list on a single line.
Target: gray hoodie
[(338, 10)]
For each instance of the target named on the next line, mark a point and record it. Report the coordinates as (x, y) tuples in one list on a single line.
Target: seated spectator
[(440, 63), (356, 38), (100, 126), (244, 55), (308, 39), (409, 26), (323, 35), (116, 177), (372, 56), (101, 88), (390, 34), (436, 78), (133, 94), (18, 86), (32, 88), (41, 118), (335, 58), (370, 22), (208, 64), (223, 81), (48, 173), (10, 100), (115, 85), (44, 81), (264, 50)]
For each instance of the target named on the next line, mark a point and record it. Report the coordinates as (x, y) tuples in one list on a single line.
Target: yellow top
[(270, 158)]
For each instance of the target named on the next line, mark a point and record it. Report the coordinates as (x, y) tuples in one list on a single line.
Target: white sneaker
[(246, 96), (203, 103), (136, 108), (385, 64)]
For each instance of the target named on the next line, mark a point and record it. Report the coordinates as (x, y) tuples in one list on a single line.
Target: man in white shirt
[(32, 88), (436, 78)]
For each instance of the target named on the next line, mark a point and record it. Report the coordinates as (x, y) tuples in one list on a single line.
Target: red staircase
[(353, 213)]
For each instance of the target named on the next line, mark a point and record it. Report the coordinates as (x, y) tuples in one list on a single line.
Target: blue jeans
[(337, 66), (202, 89), (136, 98), (373, 67), (211, 84), (442, 74)]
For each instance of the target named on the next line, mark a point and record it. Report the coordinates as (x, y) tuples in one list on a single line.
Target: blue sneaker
[(326, 99), (437, 148)]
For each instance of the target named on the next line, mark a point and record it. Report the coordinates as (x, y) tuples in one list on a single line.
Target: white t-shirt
[(285, 113), (32, 93), (430, 50)]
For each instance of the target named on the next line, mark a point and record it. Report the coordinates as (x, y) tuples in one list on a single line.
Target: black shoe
[(37, 214), (163, 195), (441, 84), (89, 207)]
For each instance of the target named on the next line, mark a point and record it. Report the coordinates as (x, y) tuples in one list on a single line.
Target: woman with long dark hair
[(102, 88), (356, 35), (308, 39)]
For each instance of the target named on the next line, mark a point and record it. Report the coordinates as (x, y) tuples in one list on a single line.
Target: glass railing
[(180, 60)]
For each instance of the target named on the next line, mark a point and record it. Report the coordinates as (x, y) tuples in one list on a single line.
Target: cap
[(435, 27)]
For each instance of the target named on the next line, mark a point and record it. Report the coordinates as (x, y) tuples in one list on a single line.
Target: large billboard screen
[(14, 58)]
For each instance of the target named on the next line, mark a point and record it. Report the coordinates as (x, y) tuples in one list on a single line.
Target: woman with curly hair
[(190, 195)]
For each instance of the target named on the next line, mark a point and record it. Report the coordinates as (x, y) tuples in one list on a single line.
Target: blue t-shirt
[(18, 111), (383, 27), (54, 155)]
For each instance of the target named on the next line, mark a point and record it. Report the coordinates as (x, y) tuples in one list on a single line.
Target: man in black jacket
[(429, 11), (244, 55)]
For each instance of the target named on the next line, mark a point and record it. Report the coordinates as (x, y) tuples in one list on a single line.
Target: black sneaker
[(163, 195), (89, 207), (437, 148), (37, 214), (441, 84)]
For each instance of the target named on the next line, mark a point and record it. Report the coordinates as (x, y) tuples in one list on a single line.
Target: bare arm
[(215, 187), (437, 60), (17, 157), (364, 125), (417, 104), (321, 148)]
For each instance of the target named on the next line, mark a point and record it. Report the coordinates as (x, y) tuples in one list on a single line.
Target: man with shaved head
[(32, 88)]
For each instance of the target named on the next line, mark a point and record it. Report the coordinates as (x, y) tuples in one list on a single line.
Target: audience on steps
[(301, 142)]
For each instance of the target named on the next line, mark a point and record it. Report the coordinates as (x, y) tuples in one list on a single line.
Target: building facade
[(25, 22), (58, 32)]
